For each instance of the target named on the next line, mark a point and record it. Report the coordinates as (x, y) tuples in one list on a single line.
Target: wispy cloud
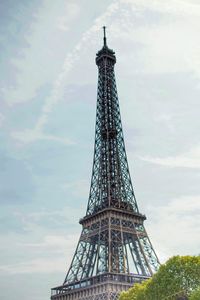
[(59, 84), (179, 29), (59, 250), (40, 265), (79, 188), (70, 60), (54, 243), (176, 226), (43, 220), (190, 159), (30, 136), (155, 57), (71, 12), (173, 6)]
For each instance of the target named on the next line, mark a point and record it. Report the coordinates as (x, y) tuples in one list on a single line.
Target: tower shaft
[(111, 183)]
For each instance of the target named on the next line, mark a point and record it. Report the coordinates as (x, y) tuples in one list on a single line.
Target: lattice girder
[(114, 250), (111, 183), (115, 242)]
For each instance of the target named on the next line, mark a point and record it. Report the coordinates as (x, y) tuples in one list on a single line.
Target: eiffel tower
[(114, 250)]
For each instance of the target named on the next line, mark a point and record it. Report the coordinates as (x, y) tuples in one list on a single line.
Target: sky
[(48, 87)]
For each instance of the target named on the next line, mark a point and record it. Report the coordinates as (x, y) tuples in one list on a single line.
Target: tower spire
[(104, 36)]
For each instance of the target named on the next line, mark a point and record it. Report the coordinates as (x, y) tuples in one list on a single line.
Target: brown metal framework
[(114, 250)]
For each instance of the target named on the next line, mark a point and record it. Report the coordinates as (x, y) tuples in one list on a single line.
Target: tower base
[(102, 287)]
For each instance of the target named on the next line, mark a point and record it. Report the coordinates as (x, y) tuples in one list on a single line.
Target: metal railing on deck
[(102, 278)]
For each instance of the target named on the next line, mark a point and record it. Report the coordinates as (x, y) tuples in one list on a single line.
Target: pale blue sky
[(48, 87)]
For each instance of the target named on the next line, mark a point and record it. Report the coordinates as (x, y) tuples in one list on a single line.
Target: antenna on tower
[(104, 36)]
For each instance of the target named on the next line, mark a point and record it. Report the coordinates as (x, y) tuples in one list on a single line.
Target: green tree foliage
[(195, 295), (178, 277), (137, 292)]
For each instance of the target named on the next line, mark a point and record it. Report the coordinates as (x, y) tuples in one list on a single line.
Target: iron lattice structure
[(114, 250)]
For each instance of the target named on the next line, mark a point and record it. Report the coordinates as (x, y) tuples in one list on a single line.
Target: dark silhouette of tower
[(114, 250)]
